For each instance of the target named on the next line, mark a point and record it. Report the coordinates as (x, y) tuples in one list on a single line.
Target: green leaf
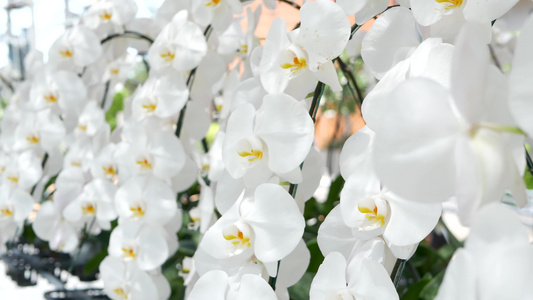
[(94, 263), (414, 290), (316, 256), (429, 291), (116, 107), (300, 291), (333, 195)]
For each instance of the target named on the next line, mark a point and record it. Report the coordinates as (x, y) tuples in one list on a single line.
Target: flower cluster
[(443, 122)]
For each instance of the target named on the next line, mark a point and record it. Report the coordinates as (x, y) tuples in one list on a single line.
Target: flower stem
[(43, 164), (106, 90), (295, 5), (397, 271), (348, 73), (190, 81), (529, 163), (128, 34), (319, 90)]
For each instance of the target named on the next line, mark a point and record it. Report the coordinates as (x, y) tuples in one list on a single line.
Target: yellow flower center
[(137, 211), (373, 215), (212, 3), (149, 107), (50, 98), (128, 253), (13, 179), (144, 164), (114, 71), (6, 212), (66, 53), (120, 292), (297, 65), (109, 171), (450, 4), (169, 56), (32, 139), (88, 210), (106, 16), (253, 155), (239, 240)]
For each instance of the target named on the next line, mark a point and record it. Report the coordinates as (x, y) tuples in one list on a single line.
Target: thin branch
[(356, 27), (294, 187), (7, 83), (397, 271), (529, 163), (106, 90), (43, 164), (319, 90), (295, 5), (128, 34), (348, 73), (190, 81)]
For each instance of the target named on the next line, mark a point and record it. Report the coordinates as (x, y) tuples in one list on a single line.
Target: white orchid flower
[(142, 244), (104, 164), (293, 65), (22, 171), (161, 96), (268, 226), (49, 225), (180, 46), (274, 139), (15, 206), (492, 248), (151, 153), (123, 281), (218, 13), (454, 144), (147, 200), (446, 17), (217, 285), (78, 47), (95, 202), (60, 90), (40, 131), (110, 15), (334, 281), (370, 209)]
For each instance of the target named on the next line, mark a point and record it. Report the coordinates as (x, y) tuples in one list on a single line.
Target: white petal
[(521, 93), (330, 278), (277, 222), (460, 278), (255, 287), (389, 40), (469, 69), (355, 154), (287, 130), (410, 222), (324, 31), (212, 285), (334, 235), (416, 142)]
